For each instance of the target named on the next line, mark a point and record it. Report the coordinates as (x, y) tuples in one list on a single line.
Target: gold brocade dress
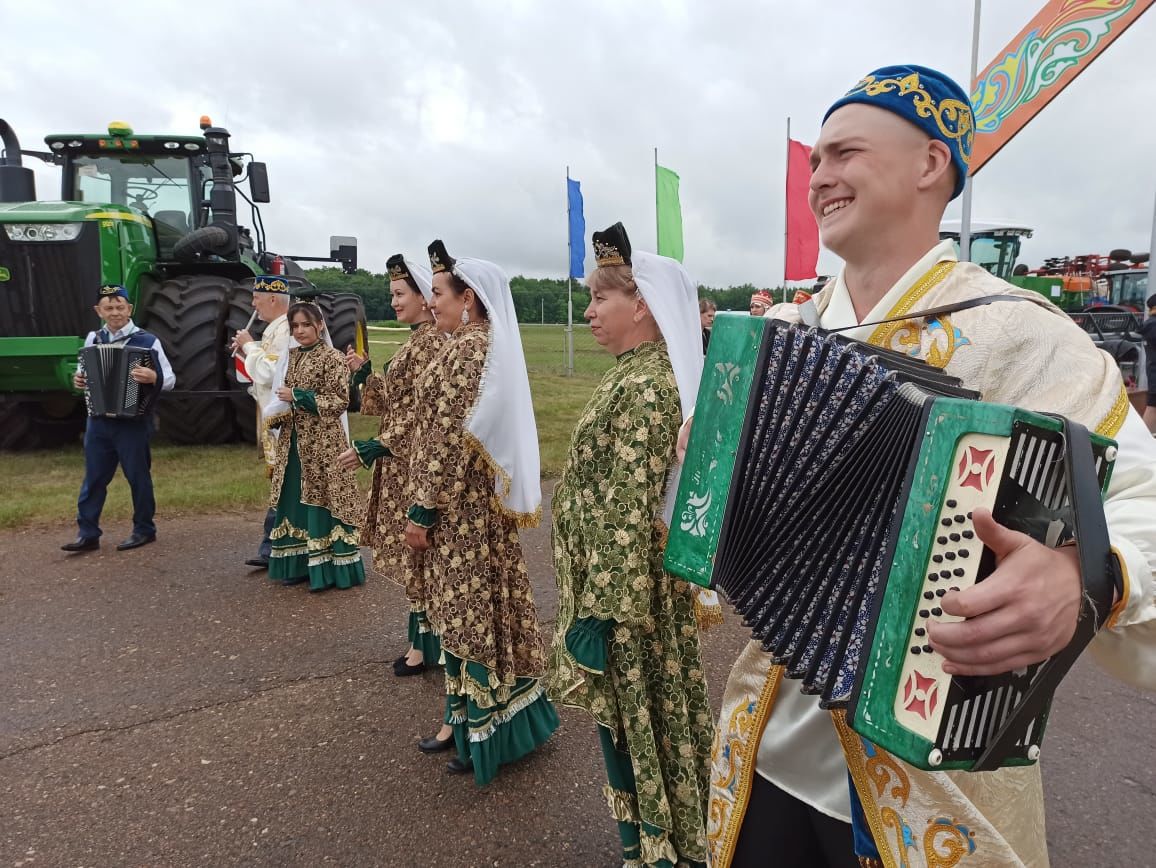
[(392, 397), (480, 600), (318, 505)]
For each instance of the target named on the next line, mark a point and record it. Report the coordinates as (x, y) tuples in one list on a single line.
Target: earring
[(465, 316)]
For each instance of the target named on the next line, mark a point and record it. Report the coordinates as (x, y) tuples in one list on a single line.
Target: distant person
[(109, 442), (319, 508), (706, 311), (1148, 330), (393, 397), (270, 301), (761, 302)]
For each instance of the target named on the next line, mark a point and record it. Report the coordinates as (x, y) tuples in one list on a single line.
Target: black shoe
[(259, 563), (136, 541), (82, 544), (433, 745), (404, 670), (457, 767), (400, 661)]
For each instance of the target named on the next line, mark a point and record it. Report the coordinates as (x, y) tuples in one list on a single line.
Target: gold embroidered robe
[(1031, 356)]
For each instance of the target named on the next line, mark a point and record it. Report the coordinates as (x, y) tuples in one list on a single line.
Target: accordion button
[(927, 649), (969, 534), (923, 613), (943, 540), (939, 592), (949, 555), (958, 572), (964, 553), (929, 595), (945, 574), (969, 515), (915, 649), (960, 519), (955, 537), (953, 589), (933, 577), (951, 504), (946, 522), (937, 559), (919, 631), (937, 611)]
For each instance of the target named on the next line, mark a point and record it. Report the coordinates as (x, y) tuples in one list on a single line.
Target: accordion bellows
[(828, 493), (111, 391)]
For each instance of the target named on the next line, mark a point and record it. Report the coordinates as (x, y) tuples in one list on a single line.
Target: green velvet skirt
[(500, 730), (423, 638), (309, 544)]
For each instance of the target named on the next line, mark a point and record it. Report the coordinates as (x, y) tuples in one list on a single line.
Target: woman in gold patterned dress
[(390, 395), (318, 505), (474, 482), (626, 640)]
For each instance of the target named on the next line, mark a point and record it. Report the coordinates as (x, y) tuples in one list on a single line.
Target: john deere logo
[(5, 274)]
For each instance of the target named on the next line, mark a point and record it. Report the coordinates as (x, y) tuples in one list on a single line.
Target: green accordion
[(828, 492)]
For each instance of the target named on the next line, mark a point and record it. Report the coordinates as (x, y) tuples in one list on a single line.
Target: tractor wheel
[(345, 319), (187, 314), (1120, 254), (207, 239), (24, 425), (244, 407)]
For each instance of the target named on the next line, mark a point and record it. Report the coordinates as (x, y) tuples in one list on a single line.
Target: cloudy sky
[(401, 122)]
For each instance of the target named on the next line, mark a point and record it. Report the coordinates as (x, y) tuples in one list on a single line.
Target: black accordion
[(111, 391), (828, 492)]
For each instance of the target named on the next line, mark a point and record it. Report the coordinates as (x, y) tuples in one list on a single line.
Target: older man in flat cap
[(892, 153)]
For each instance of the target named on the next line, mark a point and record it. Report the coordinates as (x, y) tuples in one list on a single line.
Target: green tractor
[(158, 214)]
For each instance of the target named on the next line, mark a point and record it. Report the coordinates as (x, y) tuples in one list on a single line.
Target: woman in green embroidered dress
[(318, 505), (473, 483), (626, 640), (391, 396)]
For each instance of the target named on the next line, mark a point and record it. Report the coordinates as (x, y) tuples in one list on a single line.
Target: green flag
[(669, 213)]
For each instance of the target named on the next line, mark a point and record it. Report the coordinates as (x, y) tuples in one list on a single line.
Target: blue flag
[(577, 228)]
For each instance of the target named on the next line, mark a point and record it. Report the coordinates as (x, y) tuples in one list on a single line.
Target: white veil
[(502, 418), (277, 407), (421, 276)]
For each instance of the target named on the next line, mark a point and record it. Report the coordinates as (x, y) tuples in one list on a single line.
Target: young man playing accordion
[(892, 153), (112, 441)]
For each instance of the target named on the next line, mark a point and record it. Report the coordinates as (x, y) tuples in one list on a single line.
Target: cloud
[(399, 123)]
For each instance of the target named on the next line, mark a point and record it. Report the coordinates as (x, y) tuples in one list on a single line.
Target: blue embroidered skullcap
[(929, 99), (273, 283), (112, 290)]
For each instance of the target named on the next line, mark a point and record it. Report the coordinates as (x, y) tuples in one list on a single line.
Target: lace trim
[(509, 713), (623, 806), (656, 848)]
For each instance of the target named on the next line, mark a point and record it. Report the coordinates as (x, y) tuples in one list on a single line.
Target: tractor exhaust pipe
[(17, 181)]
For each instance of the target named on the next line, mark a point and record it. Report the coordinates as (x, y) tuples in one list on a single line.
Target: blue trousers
[(107, 443)]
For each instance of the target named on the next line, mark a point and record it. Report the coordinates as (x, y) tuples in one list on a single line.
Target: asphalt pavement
[(168, 706)]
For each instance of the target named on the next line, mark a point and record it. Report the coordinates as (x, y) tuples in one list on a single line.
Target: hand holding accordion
[(830, 493)]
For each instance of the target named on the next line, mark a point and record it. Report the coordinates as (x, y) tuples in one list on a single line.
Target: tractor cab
[(995, 245)]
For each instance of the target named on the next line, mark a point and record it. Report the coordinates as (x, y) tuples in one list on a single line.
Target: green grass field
[(42, 486)]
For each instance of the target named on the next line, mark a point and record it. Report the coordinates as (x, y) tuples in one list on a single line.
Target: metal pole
[(656, 241), (786, 182), (965, 216), (569, 286)]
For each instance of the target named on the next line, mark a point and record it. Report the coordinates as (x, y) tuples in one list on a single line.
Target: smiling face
[(115, 311), (407, 303), (447, 303), (870, 167)]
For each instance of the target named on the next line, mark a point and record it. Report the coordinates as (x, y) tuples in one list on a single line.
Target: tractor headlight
[(43, 231)]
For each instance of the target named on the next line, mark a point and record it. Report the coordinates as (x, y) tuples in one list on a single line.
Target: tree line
[(536, 299)]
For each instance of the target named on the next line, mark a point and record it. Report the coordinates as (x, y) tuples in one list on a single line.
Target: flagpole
[(965, 216), (786, 197), (569, 286), (656, 231)]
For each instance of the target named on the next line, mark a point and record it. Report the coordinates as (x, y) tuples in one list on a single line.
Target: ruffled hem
[(294, 563), (423, 638), (521, 519)]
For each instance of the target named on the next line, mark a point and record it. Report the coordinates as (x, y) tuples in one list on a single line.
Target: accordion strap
[(942, 310), (1101, 580)]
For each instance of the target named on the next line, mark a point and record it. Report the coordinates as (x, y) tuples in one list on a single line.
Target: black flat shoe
[(457, 767), (259, 563), (136, 541), (82, 544), (400, 661), (434, 745), (404, 670)]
